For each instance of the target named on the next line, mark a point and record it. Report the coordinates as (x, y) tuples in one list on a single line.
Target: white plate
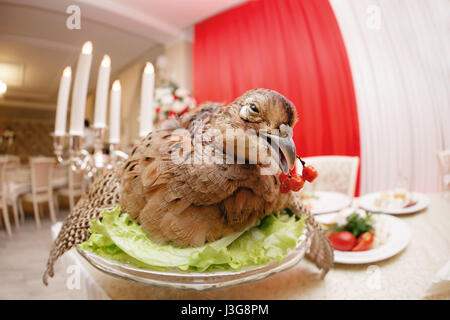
[(328, 202), (399, 235), (367, 202)]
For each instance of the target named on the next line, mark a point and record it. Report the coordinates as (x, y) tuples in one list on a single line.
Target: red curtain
[(294, 47)]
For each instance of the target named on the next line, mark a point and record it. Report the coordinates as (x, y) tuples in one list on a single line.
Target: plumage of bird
[(202, 176)]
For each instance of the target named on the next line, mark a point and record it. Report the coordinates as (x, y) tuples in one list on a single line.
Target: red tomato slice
[(365, 242), (342, 241)]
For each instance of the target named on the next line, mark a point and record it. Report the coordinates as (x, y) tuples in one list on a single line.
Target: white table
[(407, 275)]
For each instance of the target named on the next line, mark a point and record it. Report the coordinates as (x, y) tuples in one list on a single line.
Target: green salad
[(120, 238)]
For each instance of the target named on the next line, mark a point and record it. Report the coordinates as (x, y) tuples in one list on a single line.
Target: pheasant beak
[(287, 155), (284, 149)]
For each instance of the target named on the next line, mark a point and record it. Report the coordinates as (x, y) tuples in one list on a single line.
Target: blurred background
[(36, 45), (369, 78)]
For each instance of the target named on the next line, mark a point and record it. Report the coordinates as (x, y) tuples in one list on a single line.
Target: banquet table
[(20, 178), (411, 274)]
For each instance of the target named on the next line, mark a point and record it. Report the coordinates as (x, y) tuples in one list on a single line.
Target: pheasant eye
[(254, 108)]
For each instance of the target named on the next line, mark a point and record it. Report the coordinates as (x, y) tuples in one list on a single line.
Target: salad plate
[(394, 202), (320, 202), (199, 281), (392, 235)]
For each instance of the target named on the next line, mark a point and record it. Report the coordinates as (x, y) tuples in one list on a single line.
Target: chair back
[(3, 166), (444, 159), (13, 161), (75, 179), (336, 173), (41, 174)]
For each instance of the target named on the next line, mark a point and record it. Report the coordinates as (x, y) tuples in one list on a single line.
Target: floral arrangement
[(172, 101)]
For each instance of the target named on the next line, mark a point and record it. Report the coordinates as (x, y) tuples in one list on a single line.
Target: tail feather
[(103, 194), (320, 252)]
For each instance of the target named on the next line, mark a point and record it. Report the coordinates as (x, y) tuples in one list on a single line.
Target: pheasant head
[(264, 120)]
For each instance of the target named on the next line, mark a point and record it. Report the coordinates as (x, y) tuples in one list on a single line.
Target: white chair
[(76, 187), (3, 195), (444, 159), (15, 189), (336, 173), (13, 161), (41, 186), (9, 192)]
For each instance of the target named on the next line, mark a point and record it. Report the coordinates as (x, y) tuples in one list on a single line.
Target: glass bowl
[(199, 281)]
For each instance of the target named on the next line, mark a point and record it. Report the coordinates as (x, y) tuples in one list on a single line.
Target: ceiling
[(36, 45), (179, 13)]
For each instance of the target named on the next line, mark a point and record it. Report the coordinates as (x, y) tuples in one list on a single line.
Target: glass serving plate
[(199, 281)]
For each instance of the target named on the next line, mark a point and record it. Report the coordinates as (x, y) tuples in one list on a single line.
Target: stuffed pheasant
[(190, 182)]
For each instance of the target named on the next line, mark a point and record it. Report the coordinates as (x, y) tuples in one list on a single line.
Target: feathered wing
[(160, 188), (170, 194), (104, 193)]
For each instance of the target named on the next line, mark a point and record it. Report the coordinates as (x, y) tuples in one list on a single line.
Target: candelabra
[(81, 160)]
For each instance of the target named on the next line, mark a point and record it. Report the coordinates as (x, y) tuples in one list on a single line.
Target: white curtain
[(399, 56)]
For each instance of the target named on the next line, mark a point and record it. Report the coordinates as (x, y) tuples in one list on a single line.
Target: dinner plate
[(200, 281), (328, 202), (367, 202), (398, 235)]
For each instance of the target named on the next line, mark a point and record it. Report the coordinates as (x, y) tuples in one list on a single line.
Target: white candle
[(3, 88), (101, 95), (148, 83), (114, 113), (63, 99), (80, 90)]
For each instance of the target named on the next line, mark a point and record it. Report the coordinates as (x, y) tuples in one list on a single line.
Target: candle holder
[(115, 155), (59, 143), (81, 160), (79, 157)]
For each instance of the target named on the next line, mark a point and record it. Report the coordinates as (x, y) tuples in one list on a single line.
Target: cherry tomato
[(284, 187), (343, 240), (309, 173), (283, 177), (293, 171), (364, 242), (296, 183)]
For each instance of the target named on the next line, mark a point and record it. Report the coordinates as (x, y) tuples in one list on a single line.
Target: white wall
[(131, 81), (399, 56), (179, 58)]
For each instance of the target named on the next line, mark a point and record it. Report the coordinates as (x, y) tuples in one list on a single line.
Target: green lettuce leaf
[(118, 237)]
